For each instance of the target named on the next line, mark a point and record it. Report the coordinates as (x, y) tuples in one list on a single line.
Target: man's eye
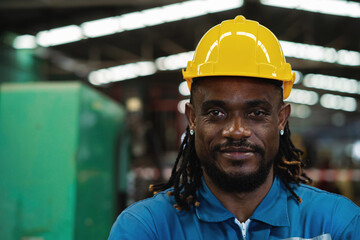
[(257, 113), (216, 113)]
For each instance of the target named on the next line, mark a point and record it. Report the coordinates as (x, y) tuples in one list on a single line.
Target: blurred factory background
[(92, 97)]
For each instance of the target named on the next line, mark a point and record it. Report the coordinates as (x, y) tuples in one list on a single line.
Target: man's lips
[(237, 153), (236, 149)]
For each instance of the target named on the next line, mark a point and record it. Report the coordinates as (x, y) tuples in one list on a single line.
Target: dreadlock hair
[(186, 174), (289, 165)]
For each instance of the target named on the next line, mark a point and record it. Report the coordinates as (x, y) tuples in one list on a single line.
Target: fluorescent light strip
[(122, 72), (175, 12), (303, 97), (319, 53), (173, 62), (337, 102), (134, 20), (333, 7), (298, 77), (58, 36), (332, 83), (184, 89), (177, 61), (155, 16), (129, 71), (170, 13), (24, 42), (101, 27)]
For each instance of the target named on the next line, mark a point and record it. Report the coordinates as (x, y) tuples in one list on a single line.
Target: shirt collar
[(272, 210), (210, 208)]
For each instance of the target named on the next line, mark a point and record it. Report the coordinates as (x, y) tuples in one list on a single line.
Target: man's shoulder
[(152, 218), (313, 195), (143, 219), (158, 203), (322, 204), (334, 213)]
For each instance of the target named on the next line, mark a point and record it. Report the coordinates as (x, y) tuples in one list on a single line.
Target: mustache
[(239, 143)]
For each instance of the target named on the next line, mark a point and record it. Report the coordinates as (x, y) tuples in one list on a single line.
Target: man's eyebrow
[(250, 103), (212, 103), (257, 102)]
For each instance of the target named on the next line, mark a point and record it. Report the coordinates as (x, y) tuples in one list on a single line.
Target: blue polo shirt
[(321, 216)]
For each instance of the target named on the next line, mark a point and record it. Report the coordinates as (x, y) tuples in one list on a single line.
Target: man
[(238, 175)]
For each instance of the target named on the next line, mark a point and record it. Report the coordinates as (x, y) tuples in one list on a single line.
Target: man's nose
[(236, 128)]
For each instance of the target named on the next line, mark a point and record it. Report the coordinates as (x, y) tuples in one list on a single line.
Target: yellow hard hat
[(240, 47)]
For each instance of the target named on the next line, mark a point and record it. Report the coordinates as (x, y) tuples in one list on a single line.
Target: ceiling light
[(133, 70), (350, 58), (134, 20), (59, 36), (122, 72), (356, 151), (333, 7), (298, 77), (303, 97), (131, 21), (24, 42), (332, 83), (319, 53), (337, 102), (174, 12), (101, 27), (100, 77), (173, 62), (184, 89)]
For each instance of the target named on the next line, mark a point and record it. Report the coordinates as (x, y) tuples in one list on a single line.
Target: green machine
[(61, 145)]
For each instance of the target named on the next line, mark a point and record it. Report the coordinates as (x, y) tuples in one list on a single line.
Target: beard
[(237, 182)]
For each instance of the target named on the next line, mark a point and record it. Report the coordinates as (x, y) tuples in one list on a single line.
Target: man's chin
[(240, 171), (243, 179)]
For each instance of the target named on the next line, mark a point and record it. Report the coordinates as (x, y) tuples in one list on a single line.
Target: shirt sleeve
[(131, 227)]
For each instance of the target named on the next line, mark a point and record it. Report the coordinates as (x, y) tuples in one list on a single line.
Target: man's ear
[(190, 115), (284, 114)]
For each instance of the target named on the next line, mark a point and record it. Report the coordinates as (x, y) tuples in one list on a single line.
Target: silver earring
[(191, 132), (281, 132)]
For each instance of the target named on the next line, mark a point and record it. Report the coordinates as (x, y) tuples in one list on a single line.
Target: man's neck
[(242, 205)]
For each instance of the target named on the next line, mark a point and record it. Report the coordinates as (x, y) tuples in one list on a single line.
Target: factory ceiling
[(150, 43)]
